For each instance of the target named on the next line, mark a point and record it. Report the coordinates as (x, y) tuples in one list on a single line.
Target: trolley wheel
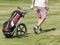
[(6, 33), (8, 36), (21, 30)]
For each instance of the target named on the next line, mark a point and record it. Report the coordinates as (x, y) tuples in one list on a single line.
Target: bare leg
[(40, 21), (42, 16)]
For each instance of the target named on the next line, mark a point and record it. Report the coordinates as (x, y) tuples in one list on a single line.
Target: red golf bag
[(10, 25)]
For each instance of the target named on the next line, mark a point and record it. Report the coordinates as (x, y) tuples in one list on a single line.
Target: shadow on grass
[(47, 30), (43, 31), (20, 36)]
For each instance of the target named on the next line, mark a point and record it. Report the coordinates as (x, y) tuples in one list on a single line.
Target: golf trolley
[(11, 26)]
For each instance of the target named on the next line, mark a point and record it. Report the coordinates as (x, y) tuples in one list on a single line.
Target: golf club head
[(20, 8), (25, 11)]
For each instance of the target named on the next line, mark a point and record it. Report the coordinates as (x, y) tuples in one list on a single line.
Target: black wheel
[(8, 36), (6, 33), (21, 30)]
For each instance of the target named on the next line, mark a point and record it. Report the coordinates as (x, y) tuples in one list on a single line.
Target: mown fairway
[(53, 21)]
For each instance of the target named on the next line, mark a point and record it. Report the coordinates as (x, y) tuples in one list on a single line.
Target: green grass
[(15, 1), (52, 21)]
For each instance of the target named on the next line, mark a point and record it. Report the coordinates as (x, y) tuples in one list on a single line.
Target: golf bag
[(10, 25)]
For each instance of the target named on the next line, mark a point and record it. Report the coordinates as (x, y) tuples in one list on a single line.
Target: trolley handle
[(24, 11), (28, 10)]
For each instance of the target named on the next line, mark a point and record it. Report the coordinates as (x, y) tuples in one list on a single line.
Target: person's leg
[(40, 21), (41, 12), (37, 27), (42, 17)]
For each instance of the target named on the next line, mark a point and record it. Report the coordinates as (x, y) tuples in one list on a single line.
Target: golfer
[(42, 7)]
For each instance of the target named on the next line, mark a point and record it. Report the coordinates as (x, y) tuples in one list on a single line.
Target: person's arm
[(33, 1), (47, 5), (32, 5)]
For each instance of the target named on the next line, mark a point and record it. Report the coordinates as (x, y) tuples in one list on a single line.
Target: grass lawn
[(48, 38)]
